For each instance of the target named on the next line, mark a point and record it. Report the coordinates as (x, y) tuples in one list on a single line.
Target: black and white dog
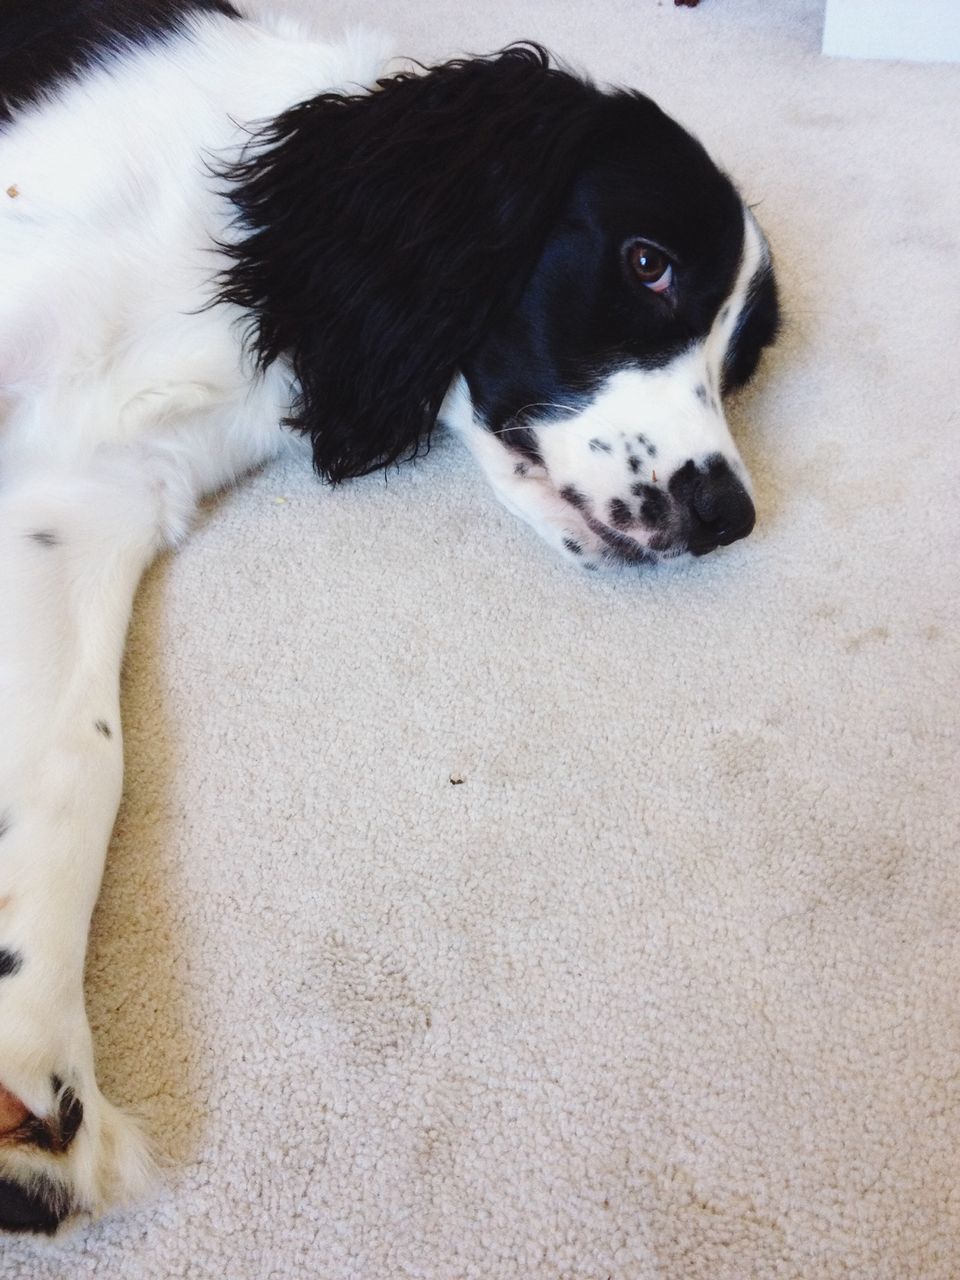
[(212, 228)]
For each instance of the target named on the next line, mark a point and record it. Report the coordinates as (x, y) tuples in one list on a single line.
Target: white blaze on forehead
[(753, 257)]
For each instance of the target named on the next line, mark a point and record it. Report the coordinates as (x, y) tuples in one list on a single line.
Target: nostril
[(723, 508)]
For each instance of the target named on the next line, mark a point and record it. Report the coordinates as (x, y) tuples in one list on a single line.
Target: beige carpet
[(667, 987)]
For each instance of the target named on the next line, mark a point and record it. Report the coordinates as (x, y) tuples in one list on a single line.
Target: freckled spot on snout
[(620, 514), (520, 468), (573, 496), (103, 728), (600, 446), (45, 538), (5, 824), (573, 546), (635, 463), (655, 505), (11, 962), (701, 393)]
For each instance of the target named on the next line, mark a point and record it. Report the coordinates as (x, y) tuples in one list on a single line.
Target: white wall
[(920, 30)]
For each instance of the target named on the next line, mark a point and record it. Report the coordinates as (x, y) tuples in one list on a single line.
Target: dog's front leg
[(72, 550)]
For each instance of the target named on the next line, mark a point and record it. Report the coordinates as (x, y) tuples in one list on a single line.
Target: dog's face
[(653, 296), (570, 256)]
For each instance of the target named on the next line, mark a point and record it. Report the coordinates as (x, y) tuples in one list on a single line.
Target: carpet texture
[(469, 917)]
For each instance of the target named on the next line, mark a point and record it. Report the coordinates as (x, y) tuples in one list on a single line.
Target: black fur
[(387, 233), (583, 314), (472, 219), (41, 1208), (11, 962), (45, 41)]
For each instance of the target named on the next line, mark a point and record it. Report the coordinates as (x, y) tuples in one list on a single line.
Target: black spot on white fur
[(573, 496), (39, 1208), (103, 728), (5, 824), (45, 538), (621, 517), (655, 505), (600, 446), (11, 962), (573, 546)]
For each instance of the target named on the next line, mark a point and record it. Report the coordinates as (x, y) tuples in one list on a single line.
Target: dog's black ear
[(382, 233)]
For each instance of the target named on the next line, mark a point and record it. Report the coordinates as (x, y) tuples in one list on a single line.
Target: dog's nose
[(721, 509)]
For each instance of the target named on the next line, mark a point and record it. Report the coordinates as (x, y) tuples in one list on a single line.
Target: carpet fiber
[(470, 917)]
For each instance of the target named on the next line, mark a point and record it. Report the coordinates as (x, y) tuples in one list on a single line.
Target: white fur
[(121, 403)]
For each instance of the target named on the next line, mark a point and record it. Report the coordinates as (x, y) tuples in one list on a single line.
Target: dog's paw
[(77, 1156)]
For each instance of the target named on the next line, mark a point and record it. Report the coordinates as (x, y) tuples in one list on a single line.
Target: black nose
[(721, 509)]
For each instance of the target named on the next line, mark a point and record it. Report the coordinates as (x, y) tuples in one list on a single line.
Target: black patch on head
[(757, 327), (620, 514), (573, 496), (583, 314), (45, 537), (573, 546), (600, 446), (41, 1208), (44, 42), (11, 962), (435, 194), (102, 727), (473, 218), (655, 507)]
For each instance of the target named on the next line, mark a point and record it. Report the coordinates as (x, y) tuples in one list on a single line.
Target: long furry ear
[(382, 234)]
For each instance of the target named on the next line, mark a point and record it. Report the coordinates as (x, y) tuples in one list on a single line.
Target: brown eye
[(651, 266)]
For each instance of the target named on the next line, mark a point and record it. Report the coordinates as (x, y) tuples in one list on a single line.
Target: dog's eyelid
[(655, 243)]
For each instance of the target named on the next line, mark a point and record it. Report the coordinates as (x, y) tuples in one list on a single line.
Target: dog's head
[(573, 253)]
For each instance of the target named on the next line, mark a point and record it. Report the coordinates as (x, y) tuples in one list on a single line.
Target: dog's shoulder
[(44, 42)]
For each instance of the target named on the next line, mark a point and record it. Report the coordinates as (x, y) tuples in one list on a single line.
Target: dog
[(215, 231)]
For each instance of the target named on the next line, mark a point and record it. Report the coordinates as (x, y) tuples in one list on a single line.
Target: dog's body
[(562, 270)]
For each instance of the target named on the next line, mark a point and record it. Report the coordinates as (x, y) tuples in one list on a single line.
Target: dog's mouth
[(624, 547)]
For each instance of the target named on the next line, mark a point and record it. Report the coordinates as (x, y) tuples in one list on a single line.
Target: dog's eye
[(651, 266)]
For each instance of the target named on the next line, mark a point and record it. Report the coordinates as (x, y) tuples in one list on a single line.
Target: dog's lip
[(626, 547)]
